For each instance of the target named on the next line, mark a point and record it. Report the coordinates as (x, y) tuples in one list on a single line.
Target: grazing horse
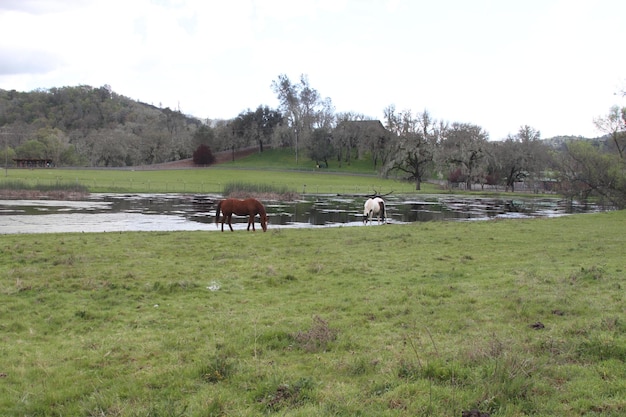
[(248, 207), (373, 206)]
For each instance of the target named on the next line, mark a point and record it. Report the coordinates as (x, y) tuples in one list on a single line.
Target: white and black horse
[(374, 206)]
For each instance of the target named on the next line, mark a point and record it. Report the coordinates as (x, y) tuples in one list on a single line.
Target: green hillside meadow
[(273, 167), (507, 317), (210, 180)]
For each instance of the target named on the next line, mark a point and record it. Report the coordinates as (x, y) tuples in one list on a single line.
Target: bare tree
[(346, 135), (326, 115), (302, 106), (320, 147), (585, 170), (517, 157), (589, 168), (614, 125), (417, 140), (464, 149)]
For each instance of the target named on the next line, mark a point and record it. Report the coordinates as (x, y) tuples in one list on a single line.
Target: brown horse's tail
[(217, 212)]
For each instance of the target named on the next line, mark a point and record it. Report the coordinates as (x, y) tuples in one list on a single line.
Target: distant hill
[(557, 142), (85, 125), (79, 108)]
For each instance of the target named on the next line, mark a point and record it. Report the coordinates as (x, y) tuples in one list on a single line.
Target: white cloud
[(553, 65)]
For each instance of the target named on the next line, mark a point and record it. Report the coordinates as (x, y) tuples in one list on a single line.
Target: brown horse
[(248, 207)]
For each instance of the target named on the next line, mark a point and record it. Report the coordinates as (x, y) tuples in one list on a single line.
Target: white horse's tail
[(383, 211)]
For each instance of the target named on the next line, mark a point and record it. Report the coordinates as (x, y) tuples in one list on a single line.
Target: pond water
[(174, 212)]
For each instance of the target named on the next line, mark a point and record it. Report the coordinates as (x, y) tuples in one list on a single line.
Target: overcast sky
[(553, 65)]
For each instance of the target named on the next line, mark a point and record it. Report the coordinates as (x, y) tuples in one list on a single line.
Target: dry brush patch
[(43, 195)]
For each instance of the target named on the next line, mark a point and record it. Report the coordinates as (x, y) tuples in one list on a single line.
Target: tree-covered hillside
[(92, 126)]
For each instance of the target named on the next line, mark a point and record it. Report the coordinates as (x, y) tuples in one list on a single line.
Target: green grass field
[(510, 317), (208, 180), (282, 158), (514, 318), (271, 168)]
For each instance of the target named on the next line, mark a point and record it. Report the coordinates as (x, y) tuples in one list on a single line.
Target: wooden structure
[(363, 128), (33, 163)]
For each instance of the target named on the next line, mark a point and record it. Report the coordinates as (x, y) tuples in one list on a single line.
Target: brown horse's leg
[(250, 222), (230, 216)]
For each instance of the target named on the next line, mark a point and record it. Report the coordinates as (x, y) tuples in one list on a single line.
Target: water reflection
[(479, 208), (316, 211), (113, 212), (324, 210)]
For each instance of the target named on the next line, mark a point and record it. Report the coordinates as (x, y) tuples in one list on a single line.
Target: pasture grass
[(510, 317), (285, 158), (276, 168), (209, 180)]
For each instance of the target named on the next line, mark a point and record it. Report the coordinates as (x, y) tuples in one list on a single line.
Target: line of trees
[(96, 127), (418, 147)]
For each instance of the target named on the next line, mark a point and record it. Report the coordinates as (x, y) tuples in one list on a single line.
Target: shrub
[(317, 337), (268, 191), (203, 156), (217, 370), (275, 398)]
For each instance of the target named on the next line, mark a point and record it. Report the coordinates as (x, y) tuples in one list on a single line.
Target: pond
[(175, 212)]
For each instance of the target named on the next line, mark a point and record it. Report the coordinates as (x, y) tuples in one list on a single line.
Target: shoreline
[(43, 195)]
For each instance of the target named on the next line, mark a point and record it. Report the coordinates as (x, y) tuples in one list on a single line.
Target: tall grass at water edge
[(22, 185), (241, 189), (509, 317)]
